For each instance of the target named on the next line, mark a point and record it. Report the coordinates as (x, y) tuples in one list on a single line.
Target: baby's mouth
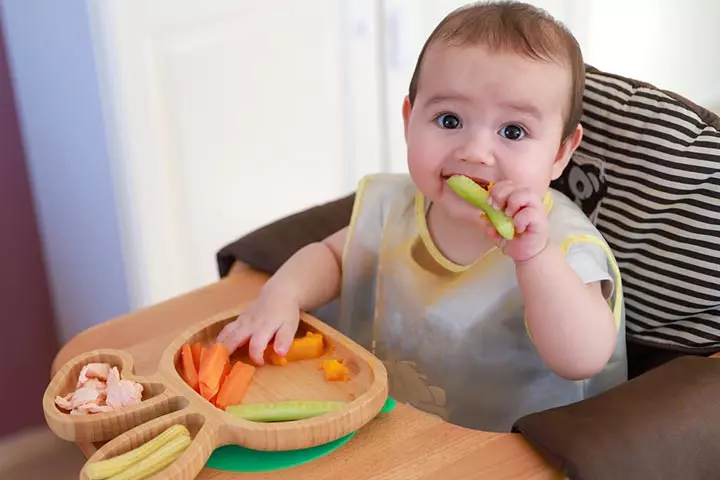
[(480, 181)]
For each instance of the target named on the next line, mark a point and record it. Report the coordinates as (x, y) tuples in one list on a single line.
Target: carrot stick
[(304, 348), (197, 349), (226, 372), (235, 386), (188, 371), (212, 366)]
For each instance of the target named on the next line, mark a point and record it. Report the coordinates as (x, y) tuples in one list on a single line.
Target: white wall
[(226, 115), (56, 93), (670, 43)]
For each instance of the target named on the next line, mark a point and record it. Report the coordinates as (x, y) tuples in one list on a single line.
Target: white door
[(225, 115), (407, 26)]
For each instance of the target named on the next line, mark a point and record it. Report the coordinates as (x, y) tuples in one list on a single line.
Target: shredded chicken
[(98, 371), (122, 392), (100, 389)]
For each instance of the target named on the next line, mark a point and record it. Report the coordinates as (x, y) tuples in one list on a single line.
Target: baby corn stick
[(103, 469)]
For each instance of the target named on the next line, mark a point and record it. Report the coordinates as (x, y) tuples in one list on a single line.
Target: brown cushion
[(268, 247), (662, 425)]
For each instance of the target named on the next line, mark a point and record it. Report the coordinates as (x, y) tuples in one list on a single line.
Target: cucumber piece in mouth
[(474, 194)]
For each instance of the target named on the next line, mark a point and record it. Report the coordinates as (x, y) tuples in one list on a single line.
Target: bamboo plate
[(168, 400)]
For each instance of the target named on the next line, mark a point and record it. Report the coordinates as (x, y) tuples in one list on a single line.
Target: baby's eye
[(512, 132), (448, 120)]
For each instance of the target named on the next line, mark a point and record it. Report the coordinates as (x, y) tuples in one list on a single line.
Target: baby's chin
[(460, 211), (470, 216)]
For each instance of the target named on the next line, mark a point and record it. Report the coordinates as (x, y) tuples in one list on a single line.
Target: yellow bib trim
[(442, 260), (617, 307), (359, 193)]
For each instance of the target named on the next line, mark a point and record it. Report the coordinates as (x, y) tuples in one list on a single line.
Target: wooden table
[(404, 445)]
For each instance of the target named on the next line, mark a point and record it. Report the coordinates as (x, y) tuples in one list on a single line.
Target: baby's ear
[(567, 148), (406, 107)]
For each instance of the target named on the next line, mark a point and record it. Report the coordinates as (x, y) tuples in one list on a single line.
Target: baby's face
[(490, 116)]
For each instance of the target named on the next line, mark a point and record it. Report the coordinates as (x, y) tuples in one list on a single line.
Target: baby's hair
[(513, 27)]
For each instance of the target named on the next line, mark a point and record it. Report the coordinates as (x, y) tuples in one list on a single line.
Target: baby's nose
[(477, 149)]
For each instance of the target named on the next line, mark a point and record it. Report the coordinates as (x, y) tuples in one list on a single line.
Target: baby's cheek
[(420, 165), (426, 181)]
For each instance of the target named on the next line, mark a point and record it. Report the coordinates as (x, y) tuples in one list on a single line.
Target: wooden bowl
[(167, 399), (190, 462), (157, 400)]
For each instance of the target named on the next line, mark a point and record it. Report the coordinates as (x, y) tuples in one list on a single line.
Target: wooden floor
[(38, 454)]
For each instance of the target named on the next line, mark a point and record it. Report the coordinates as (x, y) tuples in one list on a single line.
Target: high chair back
[(647, 173)]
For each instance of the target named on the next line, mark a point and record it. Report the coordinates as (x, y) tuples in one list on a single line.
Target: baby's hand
[(529, 217), (270, 314)]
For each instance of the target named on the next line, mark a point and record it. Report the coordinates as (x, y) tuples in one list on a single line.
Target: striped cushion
[(648, 174)]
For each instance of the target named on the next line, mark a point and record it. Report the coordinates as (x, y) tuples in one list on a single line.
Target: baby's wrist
[(271, 291), (529, 258), (547, 256)]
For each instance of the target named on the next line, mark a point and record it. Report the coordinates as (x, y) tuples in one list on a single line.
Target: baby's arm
[(311, 277), (569, 321), (307, 280)]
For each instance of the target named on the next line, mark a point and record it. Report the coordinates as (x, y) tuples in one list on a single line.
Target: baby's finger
[(228, 330), (502, 244), (486, 226), (520, 199), (492, 233), (259, 343), (490, 229), (236, 332), (237, 337), (500, 193), (284, 337), (523, 220)]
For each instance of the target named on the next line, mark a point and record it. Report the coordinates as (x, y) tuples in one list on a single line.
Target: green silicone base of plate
[(234, 458)]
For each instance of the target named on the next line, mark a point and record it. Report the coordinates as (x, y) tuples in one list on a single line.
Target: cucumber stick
[(475, 195), (283, 411)]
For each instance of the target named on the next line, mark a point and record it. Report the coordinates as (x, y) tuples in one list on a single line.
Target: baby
[(471, 327)]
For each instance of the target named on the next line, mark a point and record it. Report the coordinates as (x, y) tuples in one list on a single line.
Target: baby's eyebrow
[(445, 97), (525, 108)]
